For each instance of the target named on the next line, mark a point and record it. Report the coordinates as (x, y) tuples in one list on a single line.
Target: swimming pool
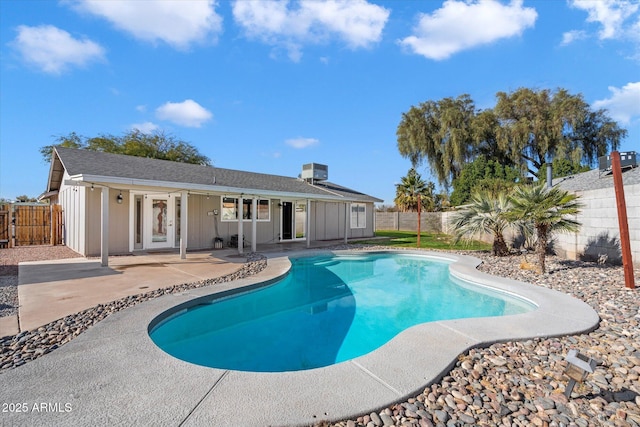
[(327, 310)]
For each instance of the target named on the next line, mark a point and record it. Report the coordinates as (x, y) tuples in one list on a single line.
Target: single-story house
[(115, 204)]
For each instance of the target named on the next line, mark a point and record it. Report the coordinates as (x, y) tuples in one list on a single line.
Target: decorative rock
[(467, 419), (543, 404), (386, 420), (375, 419), (441, 416)]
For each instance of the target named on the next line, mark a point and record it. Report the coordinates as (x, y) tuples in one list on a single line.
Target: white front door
[(159, 222)]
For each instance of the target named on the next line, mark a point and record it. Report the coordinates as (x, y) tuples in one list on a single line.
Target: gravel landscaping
[(522, 383), (505, 384)]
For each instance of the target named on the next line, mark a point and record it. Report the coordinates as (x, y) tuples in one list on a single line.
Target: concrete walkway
[(50, 290), (9, 326), (113, 374)]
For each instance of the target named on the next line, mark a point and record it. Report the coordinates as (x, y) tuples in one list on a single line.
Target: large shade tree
[(440, 133), (157, 145), (537, 126), (483, 173), (525, 129)]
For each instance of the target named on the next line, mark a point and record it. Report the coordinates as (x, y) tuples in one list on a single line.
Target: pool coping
[(113, 373)]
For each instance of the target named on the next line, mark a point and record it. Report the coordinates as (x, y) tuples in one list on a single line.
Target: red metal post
[(625, 245)]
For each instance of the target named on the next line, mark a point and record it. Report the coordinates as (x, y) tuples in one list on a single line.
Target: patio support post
[(307, 226), (240, 225), (184, 212), (104, 229), (347, 208), (254, 223)]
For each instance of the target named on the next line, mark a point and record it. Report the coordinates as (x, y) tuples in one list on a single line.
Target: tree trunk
[(499, 245), (541, 246)]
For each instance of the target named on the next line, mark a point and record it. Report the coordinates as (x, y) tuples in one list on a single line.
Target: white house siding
[(328, 221), (71, 199), (200, 225), (118, 221)]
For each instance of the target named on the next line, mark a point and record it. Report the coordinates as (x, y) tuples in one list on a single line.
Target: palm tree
[(413, 193), (484, 214), (547, 210)]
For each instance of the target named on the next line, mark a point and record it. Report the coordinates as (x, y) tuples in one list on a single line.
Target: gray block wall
[(599, 235), (430, 222)]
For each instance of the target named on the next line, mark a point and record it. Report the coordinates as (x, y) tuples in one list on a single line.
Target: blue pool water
[(327, 310)]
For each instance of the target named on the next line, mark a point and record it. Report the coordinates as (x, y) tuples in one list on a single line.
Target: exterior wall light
[(119, 198), (578, 368)]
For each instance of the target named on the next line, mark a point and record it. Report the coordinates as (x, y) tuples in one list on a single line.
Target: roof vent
[(313, 172), (627, 161)]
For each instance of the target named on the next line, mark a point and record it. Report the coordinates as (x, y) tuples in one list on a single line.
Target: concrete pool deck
[(50, 290), (114, 374)]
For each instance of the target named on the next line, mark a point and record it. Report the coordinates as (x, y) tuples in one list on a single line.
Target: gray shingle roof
[(594, 180), (95, 163)]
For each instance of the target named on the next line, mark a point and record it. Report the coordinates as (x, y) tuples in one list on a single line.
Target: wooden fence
[(5, 225), (30, 224)]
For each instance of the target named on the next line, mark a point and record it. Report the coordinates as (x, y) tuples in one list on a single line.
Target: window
[(263, 210), (358, 215), (230, 209)]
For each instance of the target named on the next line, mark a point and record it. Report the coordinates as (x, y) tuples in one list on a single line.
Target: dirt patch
[(9, 258)]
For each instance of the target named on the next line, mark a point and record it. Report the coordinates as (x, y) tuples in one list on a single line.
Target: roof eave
[(132, 183), (55, 162)]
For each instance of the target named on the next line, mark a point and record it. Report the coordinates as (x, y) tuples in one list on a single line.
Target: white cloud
[(146, 127), (186, 113), (357, 23), (54, 50), (611, 14), (178, 23), (571, 36), (141, 108), (624, 104), (301, 142), (461, 25)]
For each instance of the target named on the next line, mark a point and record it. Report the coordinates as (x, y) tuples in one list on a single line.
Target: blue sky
[(268, 86)]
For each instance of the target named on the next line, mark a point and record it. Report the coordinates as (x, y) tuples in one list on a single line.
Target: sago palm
[(547, 210), (484, 214)]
